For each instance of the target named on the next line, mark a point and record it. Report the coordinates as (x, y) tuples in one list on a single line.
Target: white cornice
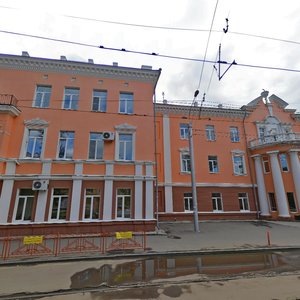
[(205, 111), (80, 68)]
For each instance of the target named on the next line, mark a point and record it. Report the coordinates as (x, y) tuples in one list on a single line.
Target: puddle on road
[(164, 267)]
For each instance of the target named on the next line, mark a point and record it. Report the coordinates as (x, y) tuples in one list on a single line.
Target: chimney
[(90, 61), (62, 57), (115, 64), (25, 53)]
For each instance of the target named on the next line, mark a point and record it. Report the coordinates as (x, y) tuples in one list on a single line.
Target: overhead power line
[(168, 27), (148, 53)]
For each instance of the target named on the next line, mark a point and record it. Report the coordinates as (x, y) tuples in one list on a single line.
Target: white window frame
[(34, 124), (128, 103), (24, 206), (185, 162), (97, 141), (184, 131), (210, 133), (125, 146), (124, 129), (71, 98), (101, 99), (242, 156), (57, 219), (122, 198), (188, 197), (216, 202), (281, 155), (234, 134), (43, 97), (92, 198), (35, 143), (67, 140), (213, 164), (242, 200)]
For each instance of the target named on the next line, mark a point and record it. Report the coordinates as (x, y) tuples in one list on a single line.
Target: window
[(244, 202), (71, 98), (234, 134), (42, 96), (188, 202), (126, 103), (266, 164), (124, 203), (261, 133), (185, 162), (91, 204), (210, 133), (239, 164), (217, 202), (96, 146), (24, 205), (272, 201), (213, 164), (59, 204), (125, 146), (184, 131), (291, 202), (99, 100), (34, 144), (66, 145), (283, 162)]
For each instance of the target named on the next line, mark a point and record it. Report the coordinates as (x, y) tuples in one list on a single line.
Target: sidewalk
[(214, 236), (225, 235)]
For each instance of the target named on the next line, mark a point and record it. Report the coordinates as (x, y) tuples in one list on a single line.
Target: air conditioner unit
[(108, 136), (40, 185)]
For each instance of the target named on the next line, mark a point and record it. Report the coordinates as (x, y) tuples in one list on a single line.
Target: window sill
[(185, 172), (218, 211)]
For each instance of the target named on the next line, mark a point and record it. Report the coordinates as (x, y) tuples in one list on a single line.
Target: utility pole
[(193, 178)]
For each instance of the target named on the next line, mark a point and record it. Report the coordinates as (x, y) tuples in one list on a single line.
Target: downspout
[(155, 155), (250, 167)]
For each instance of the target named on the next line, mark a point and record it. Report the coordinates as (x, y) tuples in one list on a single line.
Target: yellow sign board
[(33, 239), (124, 235)]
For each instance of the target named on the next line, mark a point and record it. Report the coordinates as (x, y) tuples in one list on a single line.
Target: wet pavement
[(143, 277)]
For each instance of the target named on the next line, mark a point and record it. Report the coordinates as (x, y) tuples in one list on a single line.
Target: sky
[(262, 35)]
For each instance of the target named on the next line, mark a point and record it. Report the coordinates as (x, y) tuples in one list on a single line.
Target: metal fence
[(29, 247)]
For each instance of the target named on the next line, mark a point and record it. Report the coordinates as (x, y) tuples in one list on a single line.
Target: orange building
[(77, 152), (246, 160)]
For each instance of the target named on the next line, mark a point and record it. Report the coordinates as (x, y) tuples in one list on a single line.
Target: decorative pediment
[(125, 128), (36, 123), (185, 149)]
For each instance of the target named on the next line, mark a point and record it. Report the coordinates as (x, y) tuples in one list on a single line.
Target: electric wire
[(149, 53)]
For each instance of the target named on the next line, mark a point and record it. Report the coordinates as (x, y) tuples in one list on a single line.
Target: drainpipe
[(250, 168)]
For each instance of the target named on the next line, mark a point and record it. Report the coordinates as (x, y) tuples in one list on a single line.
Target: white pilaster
[(296, 172), (149, 191), (42, 195), (261, 188), (76, 193), (108, 193), (283, 209), (167, 164), (138, 195), (7, 188)]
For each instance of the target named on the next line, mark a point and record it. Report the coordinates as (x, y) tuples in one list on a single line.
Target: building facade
[(77, 146), (246, 161), (84, 150)]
